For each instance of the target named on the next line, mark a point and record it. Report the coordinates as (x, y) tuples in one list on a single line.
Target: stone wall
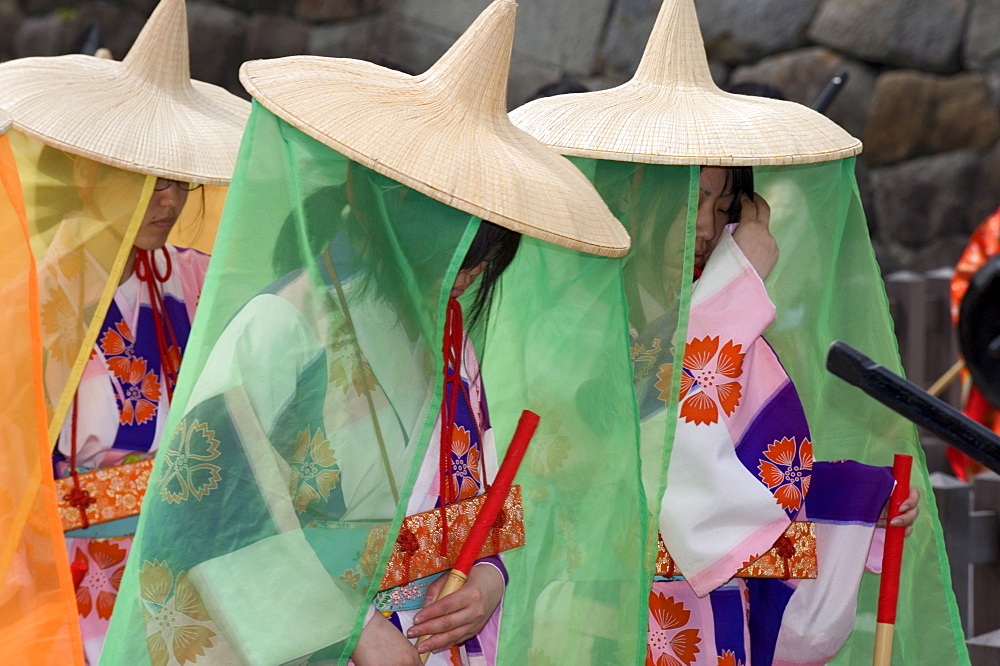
[(924, 75)]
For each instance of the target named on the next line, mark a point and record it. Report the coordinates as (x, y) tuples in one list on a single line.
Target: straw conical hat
[(143, 114), (671, 112), (444, 133)]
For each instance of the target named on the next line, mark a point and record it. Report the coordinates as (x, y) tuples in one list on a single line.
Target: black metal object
[(829, 93), (979, 329), (915, 404)]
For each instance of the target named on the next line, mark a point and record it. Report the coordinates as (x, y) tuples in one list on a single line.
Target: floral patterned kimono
[(119, 413), (741, 419), (272, 489)]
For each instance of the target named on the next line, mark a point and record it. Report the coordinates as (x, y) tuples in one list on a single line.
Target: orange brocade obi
[(417, 552), (792, 556), (111, 493)]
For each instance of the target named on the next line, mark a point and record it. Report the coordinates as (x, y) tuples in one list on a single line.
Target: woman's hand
[(381, 644), (459, 616), (908, 512), (753, 235)]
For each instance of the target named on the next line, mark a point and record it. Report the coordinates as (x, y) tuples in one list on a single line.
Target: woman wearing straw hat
[(727, 455), (111, 153), (334, 431)]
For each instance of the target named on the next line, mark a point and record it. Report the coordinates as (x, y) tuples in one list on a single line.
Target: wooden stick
[(946, 380)]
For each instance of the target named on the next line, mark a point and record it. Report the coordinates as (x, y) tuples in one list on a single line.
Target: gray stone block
[(417, 46), (39, 36), (10, 20), (803, 74), (217, 36), (925, 199), (915, 114), (412, 45), (737, 31), (322, 11), (119, 26), (986, 197), (274, 36), (922, 35), (626, 34), (982, 48), (561, 35), (344, 39)]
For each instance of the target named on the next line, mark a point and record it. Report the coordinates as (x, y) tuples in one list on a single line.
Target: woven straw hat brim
[(445, 134), (5, 123), (143, 114), (672, 112)]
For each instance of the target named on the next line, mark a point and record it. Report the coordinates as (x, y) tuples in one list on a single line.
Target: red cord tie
[(147, 271), (452, 351), (78, 497)]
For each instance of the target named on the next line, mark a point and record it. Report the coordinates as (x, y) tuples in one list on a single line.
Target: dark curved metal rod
[(911, 401)]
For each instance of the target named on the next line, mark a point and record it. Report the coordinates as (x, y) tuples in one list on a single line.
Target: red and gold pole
[(892, 558)]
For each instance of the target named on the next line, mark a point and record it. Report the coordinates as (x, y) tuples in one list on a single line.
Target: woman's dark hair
[(739, 181), (496, 246)]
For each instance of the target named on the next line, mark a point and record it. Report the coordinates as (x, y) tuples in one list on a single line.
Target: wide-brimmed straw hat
[(671, 112), (5, 123), (444, 133), (143, 114)]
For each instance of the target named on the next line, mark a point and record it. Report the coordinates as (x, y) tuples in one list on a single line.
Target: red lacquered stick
[(892, 559), (491, 507)]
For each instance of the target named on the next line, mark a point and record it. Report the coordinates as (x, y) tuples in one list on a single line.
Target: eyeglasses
[(165, 183)]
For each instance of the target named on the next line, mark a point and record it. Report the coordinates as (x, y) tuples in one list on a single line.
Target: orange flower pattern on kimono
[(466, 468), (118, 347), (105, 564), (178, 626), (189, 471), (786, 470), (709, 371), (142, 394), (669, 643), (728, 658)]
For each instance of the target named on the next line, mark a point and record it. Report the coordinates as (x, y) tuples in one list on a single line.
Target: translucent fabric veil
[(309, 390), (38, 617), (579, 586), (82, 217), (827, 286)]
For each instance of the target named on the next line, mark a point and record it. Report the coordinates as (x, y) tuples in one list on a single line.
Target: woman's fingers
[(909, 510)]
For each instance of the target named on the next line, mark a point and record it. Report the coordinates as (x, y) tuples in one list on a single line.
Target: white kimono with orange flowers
[(119, 414), (740, 470)]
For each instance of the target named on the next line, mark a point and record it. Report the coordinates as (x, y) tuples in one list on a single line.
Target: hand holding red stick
[(491, 507)]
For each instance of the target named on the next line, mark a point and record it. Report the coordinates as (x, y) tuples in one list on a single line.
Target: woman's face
[(161, 214), (715, 196), (465, 278)]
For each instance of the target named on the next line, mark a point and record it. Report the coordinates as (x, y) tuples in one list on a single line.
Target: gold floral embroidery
[(644, 358), (188, 470), (61, 325), (178, 626), (313, 469), (548, 452), (345, 367), (351, 578)]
